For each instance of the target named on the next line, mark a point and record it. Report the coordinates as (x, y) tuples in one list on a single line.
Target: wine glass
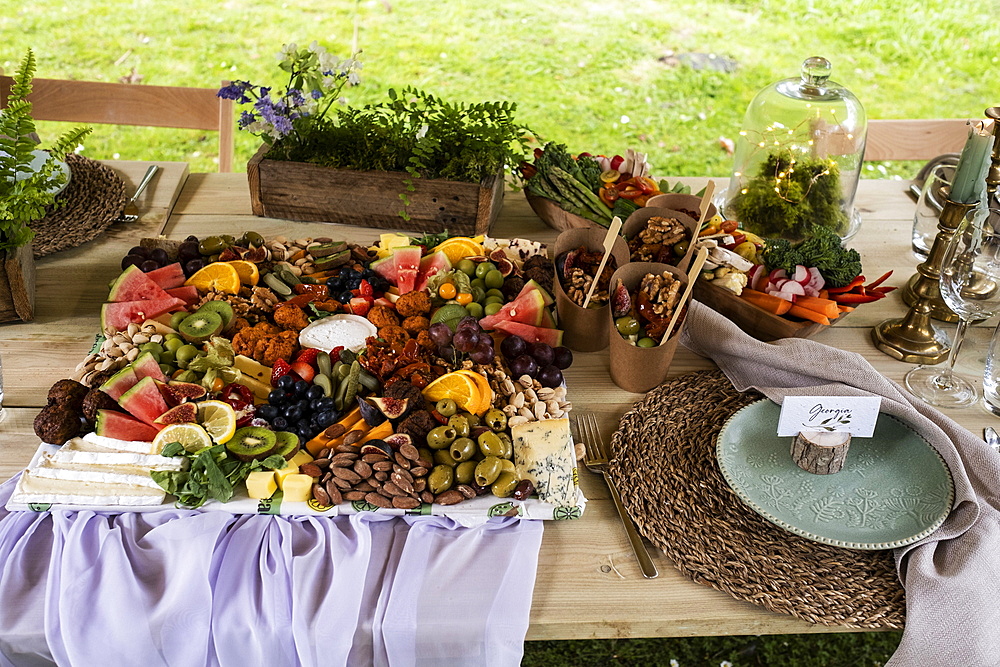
[(970, 285)]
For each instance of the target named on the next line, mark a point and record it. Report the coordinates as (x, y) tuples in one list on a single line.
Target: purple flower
[(316, 93), (246, 118), (235, 91)]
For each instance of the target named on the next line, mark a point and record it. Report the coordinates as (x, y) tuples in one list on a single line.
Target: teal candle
[(973, 164)]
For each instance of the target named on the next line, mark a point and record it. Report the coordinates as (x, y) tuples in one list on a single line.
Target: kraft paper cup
[(689, 204), (585, 329), (637, 222), (639, 369)]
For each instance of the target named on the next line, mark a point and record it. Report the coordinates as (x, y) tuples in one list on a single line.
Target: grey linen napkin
[(951, 577)]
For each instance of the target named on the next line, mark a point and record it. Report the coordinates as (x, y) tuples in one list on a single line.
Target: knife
[(991, 438)]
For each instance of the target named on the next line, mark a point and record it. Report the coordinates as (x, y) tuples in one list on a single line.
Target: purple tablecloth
[(189, 588)]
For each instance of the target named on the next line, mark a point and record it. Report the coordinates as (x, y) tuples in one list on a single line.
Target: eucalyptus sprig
[(24, 198)]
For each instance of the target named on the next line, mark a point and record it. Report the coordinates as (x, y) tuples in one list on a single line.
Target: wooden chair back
[(126, 104), (914, 139)]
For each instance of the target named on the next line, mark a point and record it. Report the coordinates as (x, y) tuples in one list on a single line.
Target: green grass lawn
[(598, 76)]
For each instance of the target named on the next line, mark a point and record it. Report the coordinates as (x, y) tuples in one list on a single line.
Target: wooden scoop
[(609, 242)]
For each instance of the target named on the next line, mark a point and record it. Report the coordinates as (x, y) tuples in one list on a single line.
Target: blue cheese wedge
[(543, 453)]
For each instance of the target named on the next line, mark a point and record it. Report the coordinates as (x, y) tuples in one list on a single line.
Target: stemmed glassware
[(970, 285)]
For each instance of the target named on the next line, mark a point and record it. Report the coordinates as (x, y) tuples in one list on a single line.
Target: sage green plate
[(894, 488)]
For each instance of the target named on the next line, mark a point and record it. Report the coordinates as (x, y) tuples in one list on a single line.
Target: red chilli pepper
[(852, 297), (873, 285), (857, 282)]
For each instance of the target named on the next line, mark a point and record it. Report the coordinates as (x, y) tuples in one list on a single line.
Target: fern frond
[(68, 142), (21, 87)]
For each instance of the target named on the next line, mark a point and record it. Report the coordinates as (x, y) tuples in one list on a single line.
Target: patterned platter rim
[(738, 488)]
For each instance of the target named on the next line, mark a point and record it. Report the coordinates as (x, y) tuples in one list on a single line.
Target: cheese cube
[(301, 456), (543, 453), (297, 488), (281, 473), (261, 484)]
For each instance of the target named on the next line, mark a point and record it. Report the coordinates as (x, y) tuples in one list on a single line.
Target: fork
[(131, 212), (596, 460)]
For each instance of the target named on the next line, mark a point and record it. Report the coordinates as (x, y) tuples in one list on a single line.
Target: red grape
[(523, 365), (550, 376), (140, 251), (483, 354), (512, 347), (563, 358), (440, 333), (131, 260), (465, 340), (542, 353), (149, 265)]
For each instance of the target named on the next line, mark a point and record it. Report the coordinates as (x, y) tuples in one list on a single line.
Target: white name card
[(851, 414)]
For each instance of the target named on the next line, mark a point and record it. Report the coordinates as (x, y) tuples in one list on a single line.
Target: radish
[(793, 287), (758, 277), (816, 280), (801, 275), (787, 296), (776, 274)]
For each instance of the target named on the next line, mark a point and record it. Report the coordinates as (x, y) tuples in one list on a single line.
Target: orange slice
[(459, 387), (458, 247), (484, 389), (247, 271), (219, 276)]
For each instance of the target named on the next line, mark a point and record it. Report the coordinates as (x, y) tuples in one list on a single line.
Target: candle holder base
[(915, 342), (930, 292)]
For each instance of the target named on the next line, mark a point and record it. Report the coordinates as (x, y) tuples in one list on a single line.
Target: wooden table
[(588, 582)]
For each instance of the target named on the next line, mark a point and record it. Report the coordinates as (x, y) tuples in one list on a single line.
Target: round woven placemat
[(666, 468), (93, 199)]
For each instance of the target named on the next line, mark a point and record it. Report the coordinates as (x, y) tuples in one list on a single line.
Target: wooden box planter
[(17, 285), (304, 191)]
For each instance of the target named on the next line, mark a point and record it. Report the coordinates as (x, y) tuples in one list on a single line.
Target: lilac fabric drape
[(186, 588)]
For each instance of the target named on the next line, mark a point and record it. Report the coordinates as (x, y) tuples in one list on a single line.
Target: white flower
[(314, 47), (725, 663), (422, 132), (328, 62), (674, 663), (353, 78), (288, 51)]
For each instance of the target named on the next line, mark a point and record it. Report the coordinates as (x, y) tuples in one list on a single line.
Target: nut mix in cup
[(581, 250), (644, 297), (661, 235)]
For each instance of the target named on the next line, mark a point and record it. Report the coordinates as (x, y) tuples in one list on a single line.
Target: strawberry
[(304, 370), (307, 355), (335, 354), (359, 305), (382, 301), (279, 369), (365, 289)]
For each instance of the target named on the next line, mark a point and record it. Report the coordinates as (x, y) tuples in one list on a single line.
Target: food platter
[(318, 377), (895, 489)]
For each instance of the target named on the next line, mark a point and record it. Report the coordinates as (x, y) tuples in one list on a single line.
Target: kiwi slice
[(223, 308), (200, 325), (252, 442), (288, 444)]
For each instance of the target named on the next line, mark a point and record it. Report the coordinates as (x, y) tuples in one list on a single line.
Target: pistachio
[(540, 410), (140, 339), (132, 354), (133, 329), (517, 401), (508, 387), (509, 410), (525, 381), (518, 419), (526, 413)]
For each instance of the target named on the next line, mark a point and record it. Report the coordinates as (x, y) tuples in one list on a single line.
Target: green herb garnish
[(212, 473)]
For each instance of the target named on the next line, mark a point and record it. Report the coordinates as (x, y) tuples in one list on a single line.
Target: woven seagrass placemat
[(666, 469), (93, 199)]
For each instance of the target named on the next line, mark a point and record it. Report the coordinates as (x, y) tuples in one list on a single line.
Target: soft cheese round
[(351, 331)]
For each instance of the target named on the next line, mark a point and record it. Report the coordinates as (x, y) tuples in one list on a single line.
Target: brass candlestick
[(914, 338)]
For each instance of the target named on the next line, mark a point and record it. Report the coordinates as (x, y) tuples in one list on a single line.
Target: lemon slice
[(193, 437), (218, 418)]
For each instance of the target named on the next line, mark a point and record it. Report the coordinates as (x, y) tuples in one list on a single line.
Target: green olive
[(440, 479), (188, 376), (250, 239), (646, 342), (426, 454), (467, 266), (444, 457), (492, 308), (478, 294), (465, 472), (478, 282), (504, 485), (490, 299), (494, 292), (155, 348), (475, 309), (461, 424), (228, 239), (681, 248), (487, 471), (184, 354), (441, 437), (462, 449), (483, 268), (211, 245), (490, 445), (446, 407), (175, 319), (493, 279), (166, 369), (506, 465), (167, 357), (496, 420), (627, 325), (172, 344), (473, 419), (508, 444)]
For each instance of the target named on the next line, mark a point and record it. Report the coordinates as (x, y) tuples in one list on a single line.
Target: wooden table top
[(588, 582)]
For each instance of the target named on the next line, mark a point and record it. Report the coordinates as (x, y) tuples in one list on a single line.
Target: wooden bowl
[(555, 217), (757, 322)]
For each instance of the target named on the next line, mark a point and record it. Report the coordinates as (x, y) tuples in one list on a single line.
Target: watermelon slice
[(407, 261), (530, 334), (120, 382), (146, 366), (117, 316), (432, 264), (118, 425), (385, 267), (144, 401), (525, 309), (134, 285), (548, 322), (168, 277), (188, 293), (531, 284)]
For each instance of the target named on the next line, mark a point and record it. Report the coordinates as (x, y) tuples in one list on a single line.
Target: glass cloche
[(798, 157)]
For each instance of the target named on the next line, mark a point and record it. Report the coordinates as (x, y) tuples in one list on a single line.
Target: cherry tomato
[(728, 226)]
